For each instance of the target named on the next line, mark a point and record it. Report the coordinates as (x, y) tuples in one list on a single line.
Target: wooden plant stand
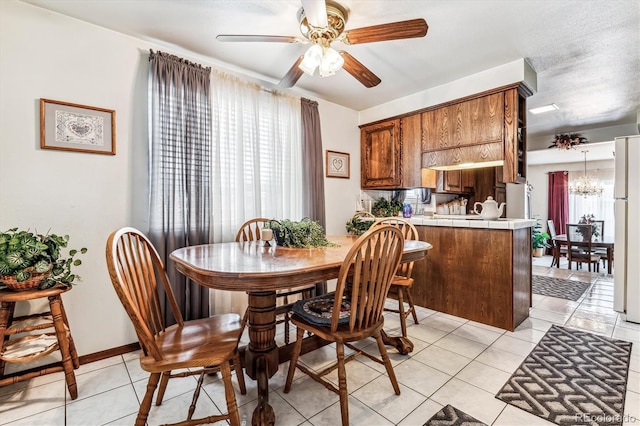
[(55, 318)]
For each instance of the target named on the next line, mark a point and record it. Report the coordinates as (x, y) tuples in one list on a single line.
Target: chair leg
[(403, 317), (412, 307), (196, 395), (145, 406), (387, 363), (286, 327), (164, 380), (342, 385), (237, 365), (232, 406), (294, 359)]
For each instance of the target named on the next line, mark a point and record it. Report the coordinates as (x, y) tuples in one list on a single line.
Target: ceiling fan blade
[(316, 12), (359, 71), (391, 31), (258, 38), (293, 75)]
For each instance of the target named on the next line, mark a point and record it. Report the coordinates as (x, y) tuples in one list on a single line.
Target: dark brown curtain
[(312, 170), (180, 164), (559, 200), (312, 162)]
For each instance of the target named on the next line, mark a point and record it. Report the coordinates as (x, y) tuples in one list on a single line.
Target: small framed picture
[(337, 164), (81, 128)]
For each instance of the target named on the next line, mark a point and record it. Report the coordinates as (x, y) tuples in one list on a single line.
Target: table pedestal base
[(261, 356)]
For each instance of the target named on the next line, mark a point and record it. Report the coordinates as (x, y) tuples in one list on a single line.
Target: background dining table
[(604, 242), (260, 268)]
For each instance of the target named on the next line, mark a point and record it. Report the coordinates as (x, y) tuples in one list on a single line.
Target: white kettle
[(490, 209)]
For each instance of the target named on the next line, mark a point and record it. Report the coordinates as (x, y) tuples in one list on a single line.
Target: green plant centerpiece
[(357, 226), (302, 234), (385, 208), (25, 255), (539, 239)]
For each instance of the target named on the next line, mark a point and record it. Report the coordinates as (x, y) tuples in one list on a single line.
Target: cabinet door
[(410, 151), (456, 181), (380, 155), (453, 180), (468, 179), (436, 130), (487, 118)]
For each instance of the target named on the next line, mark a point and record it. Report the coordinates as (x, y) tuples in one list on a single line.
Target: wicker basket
[(33, 282)]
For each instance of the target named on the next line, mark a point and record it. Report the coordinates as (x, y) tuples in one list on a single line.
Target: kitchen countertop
[(463, 222)]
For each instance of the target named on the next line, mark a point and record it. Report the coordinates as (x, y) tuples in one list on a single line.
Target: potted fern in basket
[(29, 260)]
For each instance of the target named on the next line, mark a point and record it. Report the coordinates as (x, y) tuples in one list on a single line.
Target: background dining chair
[(251, 231), (598, 235), (402, 282), (196, 347), (355, 311), (557, 249), (579, 245)]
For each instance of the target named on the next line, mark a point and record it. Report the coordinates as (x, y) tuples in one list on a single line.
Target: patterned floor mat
[(451, 416), (558, 287), (572, 378)]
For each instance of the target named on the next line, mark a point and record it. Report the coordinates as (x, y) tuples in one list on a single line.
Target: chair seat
[(342, 334), (206, 341), (403, 281), (318, 310)]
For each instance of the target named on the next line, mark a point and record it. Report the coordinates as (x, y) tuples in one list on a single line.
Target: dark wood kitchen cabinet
[(467, 123), (483, 275), (456, 181), (380, 155), (390, 154)]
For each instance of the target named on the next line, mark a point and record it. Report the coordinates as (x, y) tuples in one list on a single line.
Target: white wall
[(45, 55), (537, 176)]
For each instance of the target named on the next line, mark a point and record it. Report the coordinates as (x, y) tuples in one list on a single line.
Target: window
[(600, 206)]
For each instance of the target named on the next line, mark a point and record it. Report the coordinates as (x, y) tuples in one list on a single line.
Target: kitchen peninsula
[(478, 269)]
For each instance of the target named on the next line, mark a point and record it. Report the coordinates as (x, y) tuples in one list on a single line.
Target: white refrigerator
[(626, 277)]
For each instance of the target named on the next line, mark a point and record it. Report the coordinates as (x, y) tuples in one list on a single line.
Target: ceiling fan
[(322, 23)]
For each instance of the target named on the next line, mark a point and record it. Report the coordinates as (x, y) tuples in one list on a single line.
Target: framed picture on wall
[(337, 164), (73, 127)]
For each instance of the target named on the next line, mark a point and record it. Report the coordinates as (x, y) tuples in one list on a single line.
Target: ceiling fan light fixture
[(326, 58), (312, 58), (331, 62)]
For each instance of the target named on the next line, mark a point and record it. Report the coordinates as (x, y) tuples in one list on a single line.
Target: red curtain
[(559, 200)]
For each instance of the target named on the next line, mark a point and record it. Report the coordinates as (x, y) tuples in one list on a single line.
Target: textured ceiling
[(586, 53)]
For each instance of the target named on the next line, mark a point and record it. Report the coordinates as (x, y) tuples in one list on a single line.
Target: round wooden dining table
[(260, 269)]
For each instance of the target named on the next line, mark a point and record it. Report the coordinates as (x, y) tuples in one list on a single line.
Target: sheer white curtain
[(600, 206), (256, 164)]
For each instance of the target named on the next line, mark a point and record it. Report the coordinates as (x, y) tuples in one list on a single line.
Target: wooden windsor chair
[(402, 281), (354, 312), (196, 347)]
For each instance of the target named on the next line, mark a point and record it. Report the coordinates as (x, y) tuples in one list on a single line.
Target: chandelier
[(586, 185), (564, 141)]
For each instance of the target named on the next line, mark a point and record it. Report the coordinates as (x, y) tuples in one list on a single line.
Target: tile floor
[(455, 361)]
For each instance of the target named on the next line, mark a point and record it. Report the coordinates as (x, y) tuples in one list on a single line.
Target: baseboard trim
[(107, 353)]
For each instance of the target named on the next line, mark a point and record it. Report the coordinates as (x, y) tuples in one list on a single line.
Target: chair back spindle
[(250, 230), (370, 266), (135, 266), (409, 232)]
